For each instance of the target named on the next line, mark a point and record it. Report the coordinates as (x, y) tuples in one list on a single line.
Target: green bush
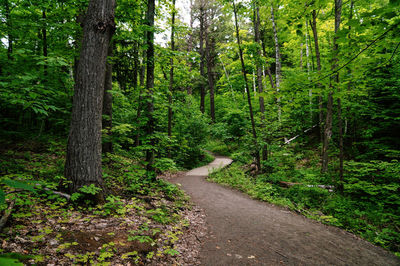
[(165, 164)]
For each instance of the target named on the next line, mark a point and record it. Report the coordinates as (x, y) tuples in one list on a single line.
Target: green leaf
[(18, 184), (2, 197), (10, 261)]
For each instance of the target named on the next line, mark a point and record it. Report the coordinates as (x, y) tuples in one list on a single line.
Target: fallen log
[(285, 184), (7, 214)]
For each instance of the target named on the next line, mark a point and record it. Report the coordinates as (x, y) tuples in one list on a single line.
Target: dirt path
[(248, 232)]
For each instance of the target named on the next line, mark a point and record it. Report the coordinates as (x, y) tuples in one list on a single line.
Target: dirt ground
[(243, 231)]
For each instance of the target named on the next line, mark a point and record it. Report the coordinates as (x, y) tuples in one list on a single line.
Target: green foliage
[(165, 164), (13, 259), (86, 194), (190, 132), (113, 205), (368, 208)]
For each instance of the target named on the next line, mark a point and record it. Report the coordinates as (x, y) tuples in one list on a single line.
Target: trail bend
[(243, 231)]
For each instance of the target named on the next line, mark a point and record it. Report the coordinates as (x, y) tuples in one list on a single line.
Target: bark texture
[(318, 58), (257, 39), (338, 14), (329, 113), (83, 162), (202, 19), (278, 65), (189, 88), (150, 83), (171, 75), (107, 103), (44, 36), (253, 126), (210, 72)]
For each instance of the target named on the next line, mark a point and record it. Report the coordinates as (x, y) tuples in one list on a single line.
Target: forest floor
[(243, 231), (147, 223)]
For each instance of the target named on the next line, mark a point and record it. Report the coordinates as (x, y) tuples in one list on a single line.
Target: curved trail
[(249, 232)]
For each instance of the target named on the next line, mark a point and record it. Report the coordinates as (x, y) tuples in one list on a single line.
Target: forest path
[(243, 231)]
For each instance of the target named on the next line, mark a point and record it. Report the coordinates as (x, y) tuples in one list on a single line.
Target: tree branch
[(354, 57)]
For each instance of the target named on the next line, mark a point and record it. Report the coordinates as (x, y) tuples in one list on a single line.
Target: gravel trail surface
[(243, 231)]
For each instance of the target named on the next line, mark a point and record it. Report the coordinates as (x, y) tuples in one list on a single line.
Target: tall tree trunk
[(227, 78), (253, 126), (271, 79), (136, 64), (142, 71), (107, 104), (189, 88), (349, 74), (150, 84), (203, 28), (210, 74), (257, 39), (327, 133), (44, 36), (338, 13), (83, 162), (171, 74), (308, 74), (278, 65), (9, 30), (301, 56), (329, 114), (318, 57)]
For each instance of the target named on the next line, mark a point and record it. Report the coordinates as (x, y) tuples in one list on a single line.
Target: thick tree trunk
[(278, 65), (83, 162), (107, 104), (253, 126), (150, 84)]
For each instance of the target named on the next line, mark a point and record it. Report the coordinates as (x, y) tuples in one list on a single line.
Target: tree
[(83, 163), (171, 72), (210, 54), (150, 83), (318, 57), (203, 28), (278, 64), (257, 40), (329, 112), (253, 126), (107, 104)]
